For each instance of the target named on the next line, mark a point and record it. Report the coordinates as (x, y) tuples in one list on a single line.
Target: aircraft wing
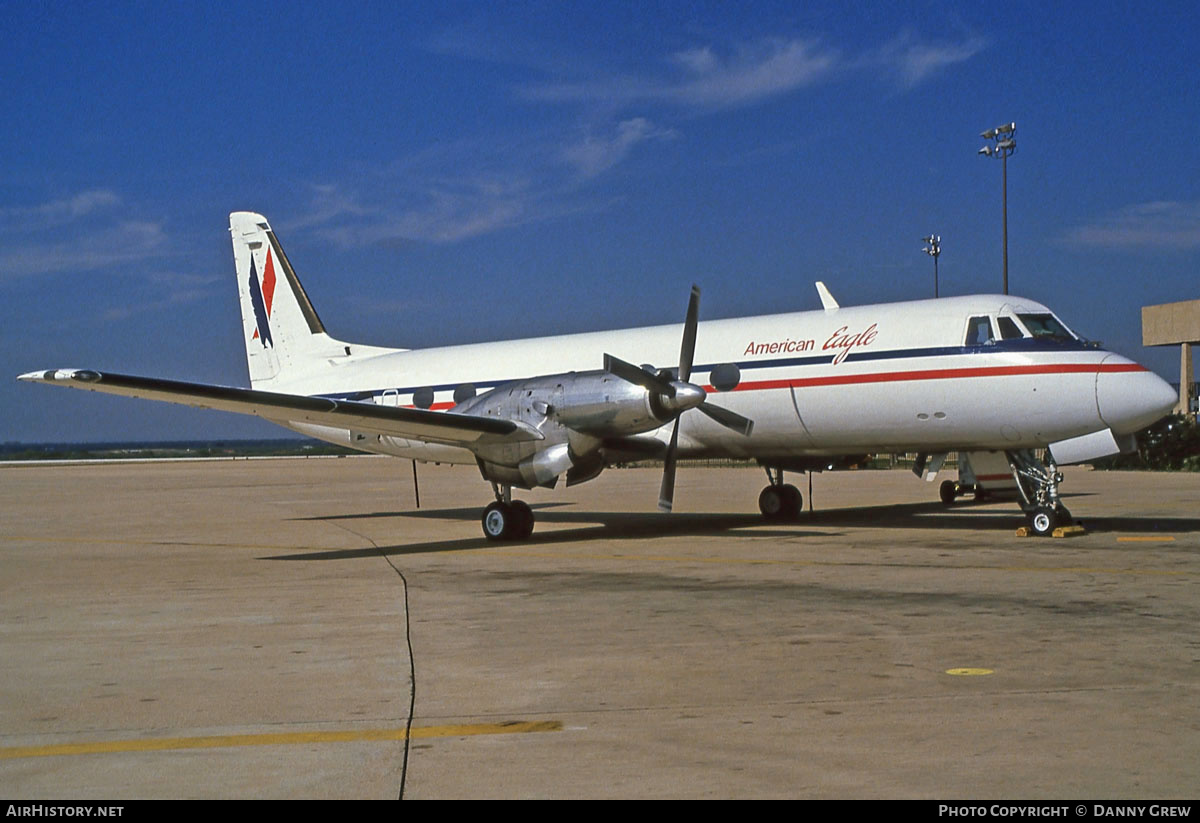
[(412, 424)]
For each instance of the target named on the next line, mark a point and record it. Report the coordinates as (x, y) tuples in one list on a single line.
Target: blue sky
[(451, 172)]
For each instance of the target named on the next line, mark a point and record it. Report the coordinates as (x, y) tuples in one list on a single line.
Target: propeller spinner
[(674, 397)]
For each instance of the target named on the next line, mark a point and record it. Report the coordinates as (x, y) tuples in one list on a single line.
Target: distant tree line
[(173, 450)]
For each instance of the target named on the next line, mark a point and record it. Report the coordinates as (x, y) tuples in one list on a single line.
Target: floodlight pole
[(1003, 145), (934, 249), (1004, 210)]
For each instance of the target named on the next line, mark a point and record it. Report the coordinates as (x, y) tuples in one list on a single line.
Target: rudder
[(282, 331)]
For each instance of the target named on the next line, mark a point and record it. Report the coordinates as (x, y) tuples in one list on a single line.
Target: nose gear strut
[(1038, 485)]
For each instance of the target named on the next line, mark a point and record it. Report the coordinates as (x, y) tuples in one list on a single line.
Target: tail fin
[(285, 339)]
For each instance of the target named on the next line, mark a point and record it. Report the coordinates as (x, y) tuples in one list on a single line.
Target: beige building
[(1175, 324)]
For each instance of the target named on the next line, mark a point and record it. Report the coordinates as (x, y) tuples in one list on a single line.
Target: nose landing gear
[(1038, 486)]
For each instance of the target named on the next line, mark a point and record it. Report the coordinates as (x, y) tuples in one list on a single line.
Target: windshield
[(1046, 327)]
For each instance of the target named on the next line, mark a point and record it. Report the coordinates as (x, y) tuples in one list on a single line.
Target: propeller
[(674, 397)]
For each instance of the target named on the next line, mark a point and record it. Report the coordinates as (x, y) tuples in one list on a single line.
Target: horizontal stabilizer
[(392, 421)]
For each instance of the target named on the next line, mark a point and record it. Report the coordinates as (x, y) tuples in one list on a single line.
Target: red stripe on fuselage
[(903, 376), (934, 374)]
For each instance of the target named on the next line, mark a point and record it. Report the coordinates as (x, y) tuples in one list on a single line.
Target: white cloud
[(1161, 224), (449, 212), (176, 298), (56, 213), (702, 78), (126, 242), (915, 61), (463, 189), (328, 202), (751, 72), (454, 216), (594, 155), (83, 232)]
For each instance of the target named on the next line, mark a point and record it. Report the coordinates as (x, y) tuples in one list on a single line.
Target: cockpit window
[(1046, 327), (1009, 330), (979, 331)]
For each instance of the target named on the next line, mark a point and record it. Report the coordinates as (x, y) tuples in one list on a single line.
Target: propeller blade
[(666, 492), (687, 350), (728, 419), (637, 376)]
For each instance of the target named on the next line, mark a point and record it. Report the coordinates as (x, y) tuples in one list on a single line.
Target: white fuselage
[(893, 377)]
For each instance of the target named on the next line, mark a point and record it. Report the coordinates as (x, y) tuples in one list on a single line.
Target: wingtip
[(52, 375)]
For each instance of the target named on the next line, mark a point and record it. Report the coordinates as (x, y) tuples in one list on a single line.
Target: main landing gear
[(779, 500), (507, 519), (1038, 486), (950, 490), (947, 492)]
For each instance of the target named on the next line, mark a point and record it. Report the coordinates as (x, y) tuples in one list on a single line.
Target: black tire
[(523, 515), (780, 502), (498, 521), (793, 502), (1043, 521), (947, 492), (770, 502)]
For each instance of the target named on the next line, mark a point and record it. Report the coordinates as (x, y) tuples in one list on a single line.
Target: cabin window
[(423, 398), (1009, 330), (725, 377), (979, 331), (464, 392)]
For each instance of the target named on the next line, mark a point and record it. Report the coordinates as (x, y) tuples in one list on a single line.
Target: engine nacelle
[(542, 469), (596, 403), (604, 405), (576, 412)]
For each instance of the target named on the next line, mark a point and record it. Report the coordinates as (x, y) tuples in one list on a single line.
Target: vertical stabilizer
[(285, 339)]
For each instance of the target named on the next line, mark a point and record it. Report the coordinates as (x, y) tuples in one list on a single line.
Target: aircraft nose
[(1129, 397)]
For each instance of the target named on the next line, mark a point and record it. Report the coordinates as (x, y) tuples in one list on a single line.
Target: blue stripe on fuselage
[(1023, 344)]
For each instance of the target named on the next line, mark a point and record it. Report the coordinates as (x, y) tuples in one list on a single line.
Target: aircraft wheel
[(1043, 520), (499, 521), (523, 515), (780, 502), (793, 502), (948, 491), (770, 502)]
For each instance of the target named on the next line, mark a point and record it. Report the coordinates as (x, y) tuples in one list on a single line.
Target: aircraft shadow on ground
[(932, 516), (590, 526)]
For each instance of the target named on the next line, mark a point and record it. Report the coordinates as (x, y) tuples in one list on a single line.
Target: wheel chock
[(1061, 531)]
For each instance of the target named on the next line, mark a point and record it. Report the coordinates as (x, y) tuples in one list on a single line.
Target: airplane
[(991, 377)]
